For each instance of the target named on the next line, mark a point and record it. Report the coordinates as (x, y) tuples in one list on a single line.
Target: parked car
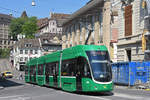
[(7, 74)]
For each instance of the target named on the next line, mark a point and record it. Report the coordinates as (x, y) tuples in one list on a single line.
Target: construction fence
[(131, 73)]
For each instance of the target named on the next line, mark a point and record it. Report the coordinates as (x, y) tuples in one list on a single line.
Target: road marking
[(128, 96), (15, 97), (99, 98), (10, 96)]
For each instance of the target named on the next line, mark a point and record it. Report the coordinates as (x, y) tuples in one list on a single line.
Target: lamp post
[(33, 3)]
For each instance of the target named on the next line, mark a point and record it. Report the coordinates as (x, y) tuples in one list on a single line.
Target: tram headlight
[(87, 82)]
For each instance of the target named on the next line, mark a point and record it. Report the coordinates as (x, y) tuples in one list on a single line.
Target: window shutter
[(128, 20)]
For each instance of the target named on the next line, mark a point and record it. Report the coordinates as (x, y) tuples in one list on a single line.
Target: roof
[(88, 6), (49, 37), (21, 44), (59, 16), (24, 14), (42, 22), (5, 18)]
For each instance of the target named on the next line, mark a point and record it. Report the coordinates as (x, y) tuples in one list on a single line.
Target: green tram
[(83, 68)]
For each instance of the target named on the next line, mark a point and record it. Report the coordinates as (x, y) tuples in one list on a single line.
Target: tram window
[(34, 70), (26, 70), (65, 69), (83, 67), (57, 68), (72, 68), (68, 67), (54, 69), (51, 70), (31, 70), (86, 70), (47, 70), (40, 70)]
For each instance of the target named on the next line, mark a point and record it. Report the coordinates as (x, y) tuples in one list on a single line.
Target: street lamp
[(33, 3)]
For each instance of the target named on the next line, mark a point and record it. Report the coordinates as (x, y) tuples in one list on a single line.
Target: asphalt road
[(18, 90)]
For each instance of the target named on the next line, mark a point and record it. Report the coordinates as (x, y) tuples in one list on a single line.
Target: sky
[(42, 8)]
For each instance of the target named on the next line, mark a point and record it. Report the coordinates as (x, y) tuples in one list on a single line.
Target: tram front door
[(79, 74), (78, 81)]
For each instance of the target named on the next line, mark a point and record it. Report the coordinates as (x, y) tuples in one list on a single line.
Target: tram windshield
[(100, 65)]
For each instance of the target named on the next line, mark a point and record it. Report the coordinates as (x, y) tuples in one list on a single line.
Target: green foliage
[(30, 27), (16, 27), (4, 53), (26, 26)]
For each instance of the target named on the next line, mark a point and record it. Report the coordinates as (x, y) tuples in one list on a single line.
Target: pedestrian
[(20, 76)]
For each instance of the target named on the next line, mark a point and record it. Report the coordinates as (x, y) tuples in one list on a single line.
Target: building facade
[(131, 14), (5, 41), (50, 42), (24, 50), (42, 25), (114, 30), (89, 25), (52, 24)]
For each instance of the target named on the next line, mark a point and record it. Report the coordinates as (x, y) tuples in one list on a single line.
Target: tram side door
[(30, 73), (55, 75), (47, 74), (34, 73)]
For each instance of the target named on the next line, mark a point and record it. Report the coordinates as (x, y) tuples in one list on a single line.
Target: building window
[(21, 51), (45, 41), (36, 52), (28, 45), (8, 42), (1, 42), (21, 58), (60, 30), (26, 58), (5, 42), (53, 29), (31, 51), (26, 51)]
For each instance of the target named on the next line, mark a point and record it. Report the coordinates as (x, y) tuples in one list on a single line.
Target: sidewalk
[(1, 87)]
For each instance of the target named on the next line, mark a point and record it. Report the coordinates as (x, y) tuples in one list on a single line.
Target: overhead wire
[(10, 10)]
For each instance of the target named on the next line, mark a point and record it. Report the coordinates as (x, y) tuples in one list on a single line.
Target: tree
[(30, 27), (25, 25), (16, 27), (4, 53)]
